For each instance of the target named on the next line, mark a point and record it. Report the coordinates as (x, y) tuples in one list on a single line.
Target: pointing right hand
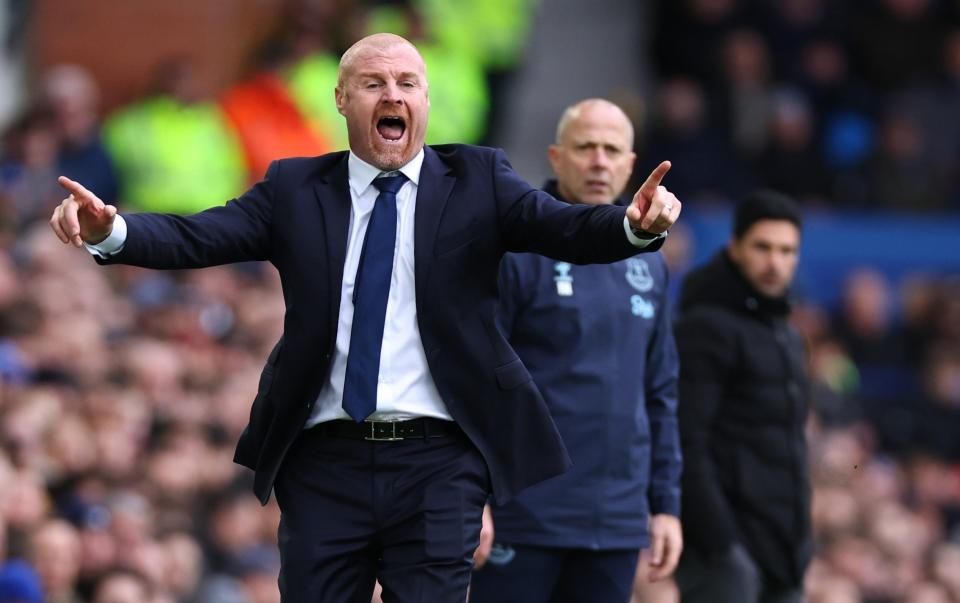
[(82, 217)]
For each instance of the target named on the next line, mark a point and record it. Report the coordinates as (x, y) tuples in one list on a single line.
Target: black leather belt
[(387, 431)]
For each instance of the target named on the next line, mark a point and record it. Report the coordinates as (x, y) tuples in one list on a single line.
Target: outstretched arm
[(237, 231), (533, 221)]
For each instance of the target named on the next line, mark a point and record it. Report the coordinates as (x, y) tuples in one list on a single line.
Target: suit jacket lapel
[(436, 183), (333, 195)]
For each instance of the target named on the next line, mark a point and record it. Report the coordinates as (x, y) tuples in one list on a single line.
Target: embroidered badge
[(638, 275), (641, 307), (563, 279)]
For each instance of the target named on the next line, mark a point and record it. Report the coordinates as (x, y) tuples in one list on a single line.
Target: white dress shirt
[(406, 389)]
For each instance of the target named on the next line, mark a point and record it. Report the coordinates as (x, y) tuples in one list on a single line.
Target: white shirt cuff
[(637, 241), (113, 243)]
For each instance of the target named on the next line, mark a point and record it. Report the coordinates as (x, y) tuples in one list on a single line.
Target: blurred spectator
[(74, 97), (792, 162), (689, 34), (262, 108), (865, 324), (896, 42), (174, 151), (705, 166), (490, 34), (747, 90), (791, 25), (902, 175), (13, 38), (123, 587), (310, 74), (55, 552), (27, 166)]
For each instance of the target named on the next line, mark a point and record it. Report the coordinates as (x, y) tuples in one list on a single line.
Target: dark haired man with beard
[(742, 409)]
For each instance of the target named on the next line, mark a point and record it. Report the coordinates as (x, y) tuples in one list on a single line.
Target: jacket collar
[(361, 174), (721, 283)]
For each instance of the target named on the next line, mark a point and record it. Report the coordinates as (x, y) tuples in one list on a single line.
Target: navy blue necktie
[(370, 291)]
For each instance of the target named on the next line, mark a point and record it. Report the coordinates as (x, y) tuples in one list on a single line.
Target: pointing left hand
[(654, 209)]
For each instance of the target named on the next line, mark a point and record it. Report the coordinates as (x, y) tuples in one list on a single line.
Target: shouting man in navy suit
[(393, 406)]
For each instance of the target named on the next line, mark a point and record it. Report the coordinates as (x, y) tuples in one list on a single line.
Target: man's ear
[(553, 154), (340, 97), (733, 250)]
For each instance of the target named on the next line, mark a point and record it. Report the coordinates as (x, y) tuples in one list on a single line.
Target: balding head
[(380, 43), (594, 108), (55, 551), (593, 156)]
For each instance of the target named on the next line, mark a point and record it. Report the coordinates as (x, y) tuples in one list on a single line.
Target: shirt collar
[(362, 174)]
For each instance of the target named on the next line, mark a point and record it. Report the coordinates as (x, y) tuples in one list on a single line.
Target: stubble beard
[(389, 160)]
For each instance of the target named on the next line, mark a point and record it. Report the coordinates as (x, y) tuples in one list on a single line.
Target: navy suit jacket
[(471, 209)]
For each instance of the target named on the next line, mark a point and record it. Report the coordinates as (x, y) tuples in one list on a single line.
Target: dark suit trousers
[(531, 574), (406, 513)]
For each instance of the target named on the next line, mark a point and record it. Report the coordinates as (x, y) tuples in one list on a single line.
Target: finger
[(656, 549), (674, 550), (671, 557), (55, 225), (658, 207), (649, 187), (634, 212), (69, 220), (669, 216), (657, 574), (79, 192), (663, 212), (643, 566)]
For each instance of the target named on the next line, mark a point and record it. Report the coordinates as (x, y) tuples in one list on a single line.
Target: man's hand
[(486, 539), (654, 209), (82, 217), (666, 544)]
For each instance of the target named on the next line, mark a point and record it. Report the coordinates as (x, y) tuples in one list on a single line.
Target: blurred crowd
[(843, 105), (838, 103), (123, 392), (180, 150), (885, 451)]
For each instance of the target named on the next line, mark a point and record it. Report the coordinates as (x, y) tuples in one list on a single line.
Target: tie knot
[(390, 184)]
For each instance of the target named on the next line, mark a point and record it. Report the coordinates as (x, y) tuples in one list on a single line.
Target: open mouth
[(391, 128)]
